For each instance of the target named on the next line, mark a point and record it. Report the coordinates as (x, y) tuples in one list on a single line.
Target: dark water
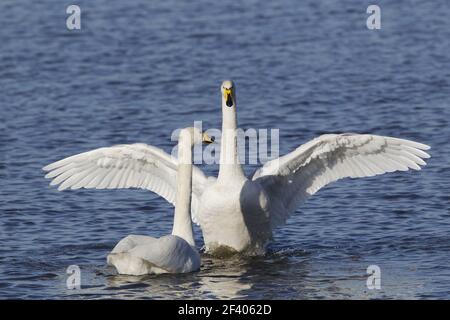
[(138, 70)]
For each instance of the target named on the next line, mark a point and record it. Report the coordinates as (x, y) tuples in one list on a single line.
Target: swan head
[(228, 93), (195, 135)]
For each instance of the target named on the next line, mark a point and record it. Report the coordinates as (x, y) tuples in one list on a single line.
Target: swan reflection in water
[(237, 277)]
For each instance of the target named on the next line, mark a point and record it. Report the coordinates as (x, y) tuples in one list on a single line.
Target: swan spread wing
[(291, 179), (124, 166)]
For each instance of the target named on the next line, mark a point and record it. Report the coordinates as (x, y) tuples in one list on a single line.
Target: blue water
[(137, 70)]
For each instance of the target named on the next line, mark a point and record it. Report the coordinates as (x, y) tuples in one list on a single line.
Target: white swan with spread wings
[(236, 212)]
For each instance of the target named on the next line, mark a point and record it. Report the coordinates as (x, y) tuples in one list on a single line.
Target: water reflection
[(224, 279), (238, 277)]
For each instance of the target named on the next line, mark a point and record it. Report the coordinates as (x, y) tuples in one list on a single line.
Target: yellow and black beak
[(228, 95), (207, 139)]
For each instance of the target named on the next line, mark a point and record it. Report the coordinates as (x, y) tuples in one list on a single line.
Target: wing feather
[(292, 179), (124, 166)]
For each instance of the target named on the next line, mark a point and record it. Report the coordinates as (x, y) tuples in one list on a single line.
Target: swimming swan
[(175, 253), (237, 213), (243, 220)]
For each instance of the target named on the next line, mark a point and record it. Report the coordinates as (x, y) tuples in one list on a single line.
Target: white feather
[(343, 155)]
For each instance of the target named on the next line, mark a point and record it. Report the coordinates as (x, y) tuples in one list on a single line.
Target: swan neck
[(230, 167), (182, 224)]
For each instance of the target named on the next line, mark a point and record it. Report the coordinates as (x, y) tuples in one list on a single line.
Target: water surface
[(138, 70)]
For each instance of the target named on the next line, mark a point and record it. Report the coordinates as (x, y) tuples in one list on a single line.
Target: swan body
[(175, 253), (238, 213), (240, 210), (137, 254)]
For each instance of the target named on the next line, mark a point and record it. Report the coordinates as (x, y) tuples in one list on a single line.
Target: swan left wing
[(124, 166), (291, 179)]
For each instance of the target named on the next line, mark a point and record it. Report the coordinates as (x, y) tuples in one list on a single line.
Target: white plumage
[(139, 255), (147, 167), (291, 179), (121, 167), (235, 212)]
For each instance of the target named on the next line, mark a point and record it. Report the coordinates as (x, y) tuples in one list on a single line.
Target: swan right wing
[(294, 177), (124, 166)]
